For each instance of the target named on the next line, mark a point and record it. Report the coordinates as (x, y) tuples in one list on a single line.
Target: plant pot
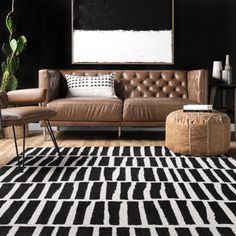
[(8, 132)]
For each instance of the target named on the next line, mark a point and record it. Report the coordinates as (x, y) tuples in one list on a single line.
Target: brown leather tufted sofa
[(145, 98)]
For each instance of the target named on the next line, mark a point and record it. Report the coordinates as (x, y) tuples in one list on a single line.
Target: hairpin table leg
[(50, 131), (16, 147)]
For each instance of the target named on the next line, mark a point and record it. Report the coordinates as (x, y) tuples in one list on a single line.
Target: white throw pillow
[(90, 86)]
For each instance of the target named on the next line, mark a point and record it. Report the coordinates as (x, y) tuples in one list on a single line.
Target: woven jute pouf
[(198, 133)]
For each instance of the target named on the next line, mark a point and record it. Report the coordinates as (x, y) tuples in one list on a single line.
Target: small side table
[(223, 88)]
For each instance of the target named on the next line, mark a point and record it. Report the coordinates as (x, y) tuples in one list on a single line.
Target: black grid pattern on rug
[(124, 191)]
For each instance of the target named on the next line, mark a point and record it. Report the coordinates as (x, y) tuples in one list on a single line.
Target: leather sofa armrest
[(24, 97), (50, 80), (198, 85)]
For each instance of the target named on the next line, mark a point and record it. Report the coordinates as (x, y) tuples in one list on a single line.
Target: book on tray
[(196, 107)]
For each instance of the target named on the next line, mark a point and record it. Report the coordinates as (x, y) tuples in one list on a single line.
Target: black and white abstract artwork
[(123, 31)]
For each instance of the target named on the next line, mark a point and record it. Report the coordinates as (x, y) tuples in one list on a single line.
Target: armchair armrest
[(3, 100), (50, 80), (198, 85), (3, 104), (26, 96)]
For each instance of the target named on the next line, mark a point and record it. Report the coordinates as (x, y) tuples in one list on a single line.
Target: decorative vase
[(8, 132), (227, 72), (217, 69), (227, 63)]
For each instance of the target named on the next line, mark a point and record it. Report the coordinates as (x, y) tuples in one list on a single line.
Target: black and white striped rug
[(123, 191)]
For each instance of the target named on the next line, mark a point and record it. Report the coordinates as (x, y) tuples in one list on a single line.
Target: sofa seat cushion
[(152, 109), (87, 109)]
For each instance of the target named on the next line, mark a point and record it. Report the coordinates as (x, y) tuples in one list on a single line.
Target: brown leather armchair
[(26, 114)]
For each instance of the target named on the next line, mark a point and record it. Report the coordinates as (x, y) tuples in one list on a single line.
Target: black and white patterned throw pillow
[(90, 86)]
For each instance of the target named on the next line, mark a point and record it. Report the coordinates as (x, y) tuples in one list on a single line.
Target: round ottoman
[(198, 133)]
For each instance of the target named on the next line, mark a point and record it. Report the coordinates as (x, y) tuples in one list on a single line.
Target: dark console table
[(223, 89)]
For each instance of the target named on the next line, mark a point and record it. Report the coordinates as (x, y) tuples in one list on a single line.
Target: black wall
[(205, 30)]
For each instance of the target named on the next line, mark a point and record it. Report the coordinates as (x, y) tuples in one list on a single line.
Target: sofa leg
[(44, 133), (119, 132)]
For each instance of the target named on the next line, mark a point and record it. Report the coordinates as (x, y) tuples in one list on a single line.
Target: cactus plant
[(12, 50)]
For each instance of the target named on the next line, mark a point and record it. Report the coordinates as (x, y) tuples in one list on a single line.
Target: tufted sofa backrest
[(171, 84)]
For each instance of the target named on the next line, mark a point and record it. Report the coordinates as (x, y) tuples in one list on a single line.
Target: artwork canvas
[(122, 31)]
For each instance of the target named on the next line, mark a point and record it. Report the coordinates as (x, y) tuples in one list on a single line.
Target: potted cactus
[(12, 50)]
